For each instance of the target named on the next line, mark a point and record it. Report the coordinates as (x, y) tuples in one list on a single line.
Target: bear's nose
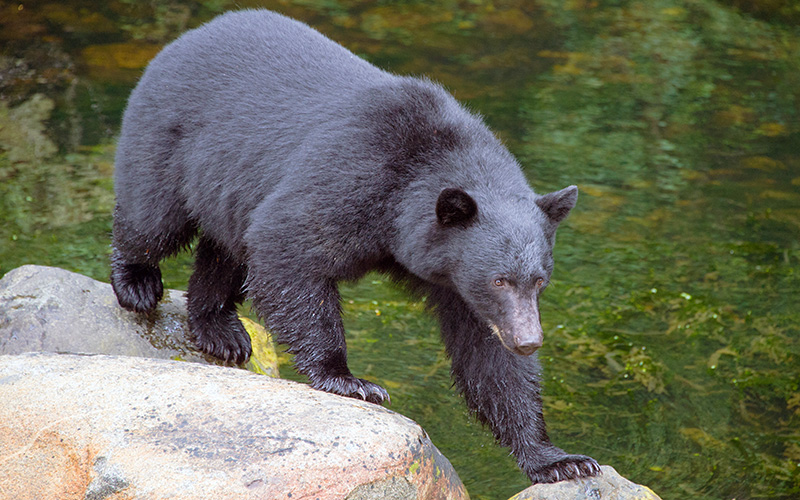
[(527, 348)]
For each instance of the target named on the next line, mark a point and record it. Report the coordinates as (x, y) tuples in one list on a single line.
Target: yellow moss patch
[(264, 359), (763, 163), (120, 55), (771, 129)]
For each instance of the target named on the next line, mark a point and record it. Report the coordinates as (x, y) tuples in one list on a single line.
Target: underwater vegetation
[(672, 342)]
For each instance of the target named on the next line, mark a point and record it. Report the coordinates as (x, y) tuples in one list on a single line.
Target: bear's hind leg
[(135, 275), (138, 287), (215, 289)]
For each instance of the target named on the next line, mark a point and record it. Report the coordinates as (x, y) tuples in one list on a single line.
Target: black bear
[(301, 165)]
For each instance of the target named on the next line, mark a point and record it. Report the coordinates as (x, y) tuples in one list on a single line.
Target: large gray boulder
[(47, 309), (97, 427)]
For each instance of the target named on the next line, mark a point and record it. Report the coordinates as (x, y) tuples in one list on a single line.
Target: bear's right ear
[(454, 207)]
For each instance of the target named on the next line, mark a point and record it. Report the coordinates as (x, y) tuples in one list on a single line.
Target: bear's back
[(252, 63), (260, 48)]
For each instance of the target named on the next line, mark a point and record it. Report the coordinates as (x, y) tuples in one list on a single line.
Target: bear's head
[(499, 256)]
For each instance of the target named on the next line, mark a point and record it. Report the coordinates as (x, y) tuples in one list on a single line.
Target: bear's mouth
[(499, 335)]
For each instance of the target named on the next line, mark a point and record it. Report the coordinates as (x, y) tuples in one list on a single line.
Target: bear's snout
[(521, 330), (526, 348), (527, 342)]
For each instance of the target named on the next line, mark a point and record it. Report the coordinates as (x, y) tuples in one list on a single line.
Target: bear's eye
[(499, 282)]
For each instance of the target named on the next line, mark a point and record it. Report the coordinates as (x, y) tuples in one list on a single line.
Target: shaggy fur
[(301, 165)]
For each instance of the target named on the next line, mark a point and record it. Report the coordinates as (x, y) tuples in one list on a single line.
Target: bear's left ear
[(455, 206), (556, 205)]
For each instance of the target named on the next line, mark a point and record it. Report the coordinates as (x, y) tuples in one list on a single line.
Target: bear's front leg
[(503, 389), (305, 314)]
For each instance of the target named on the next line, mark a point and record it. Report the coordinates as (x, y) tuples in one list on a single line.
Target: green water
[(672, 347)]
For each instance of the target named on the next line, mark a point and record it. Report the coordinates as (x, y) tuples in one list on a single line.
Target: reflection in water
[(672, 346)]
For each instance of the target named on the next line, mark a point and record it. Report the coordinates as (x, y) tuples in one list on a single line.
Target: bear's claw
[(353, 387), (570, 467)]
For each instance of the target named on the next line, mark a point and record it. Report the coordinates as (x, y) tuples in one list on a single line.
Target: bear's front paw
[(569, 467), (221, 336), (353, 387)]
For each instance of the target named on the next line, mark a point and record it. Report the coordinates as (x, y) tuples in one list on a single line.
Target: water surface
[(671, 347)]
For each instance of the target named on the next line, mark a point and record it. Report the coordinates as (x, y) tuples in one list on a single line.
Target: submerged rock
[(46, 309), (606, 486), (120, 427)]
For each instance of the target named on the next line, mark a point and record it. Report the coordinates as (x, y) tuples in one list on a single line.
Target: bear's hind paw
[(353, 387), (570, 467), (138, 287), (221, 336)]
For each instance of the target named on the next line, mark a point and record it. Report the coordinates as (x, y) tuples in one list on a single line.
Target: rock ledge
[(106, 427)]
